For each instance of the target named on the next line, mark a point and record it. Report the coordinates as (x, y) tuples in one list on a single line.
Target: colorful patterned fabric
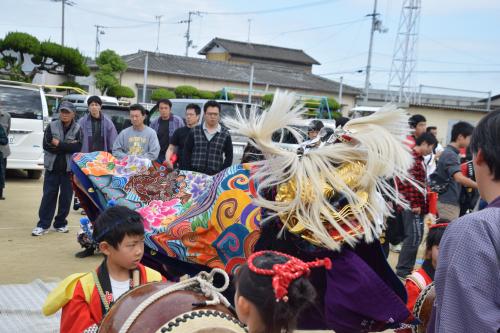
[(189, 216)]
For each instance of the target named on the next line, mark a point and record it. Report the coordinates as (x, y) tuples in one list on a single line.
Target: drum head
[(203, 321)]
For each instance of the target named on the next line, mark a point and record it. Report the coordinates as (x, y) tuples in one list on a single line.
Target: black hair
[(461, 128), (94, 99), (428, 138), (211, 103), (486, 136), (341, 121), (315, 125), (116, 222), (434, 237), (138, 107), (164, 101), (431, 128), (414, 120), (276, 316), (195, 107)]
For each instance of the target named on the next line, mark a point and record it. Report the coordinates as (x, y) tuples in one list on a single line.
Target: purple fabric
[(495, 203), (467, 278), (108, 131), (174, 123), (358, 300)]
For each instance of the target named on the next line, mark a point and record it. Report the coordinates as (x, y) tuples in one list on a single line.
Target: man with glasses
[(208, 148), (180, 135)]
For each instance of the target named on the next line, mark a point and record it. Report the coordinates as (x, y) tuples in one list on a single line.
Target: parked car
[(82, 99), (29, 113), (228, 109)]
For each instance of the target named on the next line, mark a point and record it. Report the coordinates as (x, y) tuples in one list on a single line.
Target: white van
[(27, 107), (82, 99)]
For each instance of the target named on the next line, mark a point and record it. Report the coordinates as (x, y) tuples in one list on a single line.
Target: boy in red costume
[(86, 298), (422, 277)]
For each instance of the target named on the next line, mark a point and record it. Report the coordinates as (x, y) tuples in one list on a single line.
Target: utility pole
[(189, 42), (158, 17), (250, 84), (63, 4), (249, 24), (98, 31), (145, 85), (376, 26)]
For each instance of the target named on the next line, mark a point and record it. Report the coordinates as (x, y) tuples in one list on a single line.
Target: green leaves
[(110, 64), (47, 56), (162, 93), (121, 91), (21, 42), (186, 92), (111, 59)]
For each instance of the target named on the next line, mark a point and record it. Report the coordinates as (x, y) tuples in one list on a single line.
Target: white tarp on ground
[(20, 308)]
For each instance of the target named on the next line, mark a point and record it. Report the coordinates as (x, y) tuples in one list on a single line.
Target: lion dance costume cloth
[(326, 202)]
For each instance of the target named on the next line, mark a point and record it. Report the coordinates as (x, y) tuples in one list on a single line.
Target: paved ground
[(24, 257)]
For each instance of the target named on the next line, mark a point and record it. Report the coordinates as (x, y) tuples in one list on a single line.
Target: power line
[(272, 10)]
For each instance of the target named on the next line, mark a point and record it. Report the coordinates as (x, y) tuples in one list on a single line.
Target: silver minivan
[(29, 113)]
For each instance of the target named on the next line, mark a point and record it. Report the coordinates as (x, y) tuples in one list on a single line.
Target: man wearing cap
[(62, 138), (99, 132)]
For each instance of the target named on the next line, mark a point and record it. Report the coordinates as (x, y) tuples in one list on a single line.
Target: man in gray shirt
[(449, 170), (139, 139), (467, 279)]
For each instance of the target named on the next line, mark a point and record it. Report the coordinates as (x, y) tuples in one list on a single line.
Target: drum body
[(423, 307), (179, 311)]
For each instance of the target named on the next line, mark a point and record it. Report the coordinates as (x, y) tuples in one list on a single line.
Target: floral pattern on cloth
[(189, 216)]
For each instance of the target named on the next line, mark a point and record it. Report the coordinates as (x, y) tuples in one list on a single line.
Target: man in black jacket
[(62, 138), (208, 148)]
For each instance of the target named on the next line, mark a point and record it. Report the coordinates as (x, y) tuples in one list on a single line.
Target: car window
[(21, 103), (120, 118)]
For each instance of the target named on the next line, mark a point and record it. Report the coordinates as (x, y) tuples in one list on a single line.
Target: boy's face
[(463, 141), (420, 128), (434, 255), (129, 252)]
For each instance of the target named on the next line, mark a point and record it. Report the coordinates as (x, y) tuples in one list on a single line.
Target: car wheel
[(34, 174)]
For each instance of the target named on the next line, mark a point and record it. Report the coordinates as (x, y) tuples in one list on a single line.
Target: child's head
[(434, 236), (120, 234), (272, 289)]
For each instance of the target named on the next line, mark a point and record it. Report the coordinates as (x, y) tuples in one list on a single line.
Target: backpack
[(438, 184)]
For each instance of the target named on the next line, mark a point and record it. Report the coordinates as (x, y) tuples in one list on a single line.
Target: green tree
[(110, 66), (17, 47), (267, 99), (119, 91), (206, 94), (186, 92), (162, 93)]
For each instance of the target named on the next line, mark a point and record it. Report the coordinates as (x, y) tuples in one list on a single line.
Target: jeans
[(54, 184), (3, 168), (413, 225)]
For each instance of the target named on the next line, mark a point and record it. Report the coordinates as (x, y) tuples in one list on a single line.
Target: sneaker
[(63, 230), (396, 248), (39, 231)]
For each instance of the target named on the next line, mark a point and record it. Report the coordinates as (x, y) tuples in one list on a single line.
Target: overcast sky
[(458, 47)]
